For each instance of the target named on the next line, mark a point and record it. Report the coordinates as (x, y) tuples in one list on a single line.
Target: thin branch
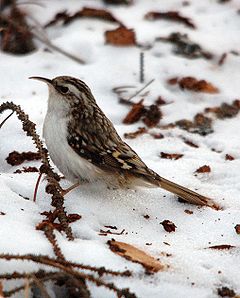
[(36, 187), (70, 271), (48, 43), (1, 124), (142, 67), (51, 262), (139, 91)]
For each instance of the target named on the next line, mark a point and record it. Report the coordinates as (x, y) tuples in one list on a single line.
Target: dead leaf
[(111, 227), (72, 217), (136, 255), (136, 112), (203, 169), (86, 12), (133, 135), (152, 116), (174, 156), (118, 2), (237, 229), (60, 16), (172, 81), (225, 110), (185, 47), (107, 232), (120, 37), (160, 101), (174, 16), (190, 143), (188, 211), (229, 157), (222, 246), (226, 292), (157, 135), (200, 124), (192, 84), (168, 226)]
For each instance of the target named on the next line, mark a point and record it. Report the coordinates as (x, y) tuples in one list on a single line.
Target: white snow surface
[(193, 270)]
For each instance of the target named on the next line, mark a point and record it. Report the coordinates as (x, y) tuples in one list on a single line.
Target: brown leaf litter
[(135, 255)]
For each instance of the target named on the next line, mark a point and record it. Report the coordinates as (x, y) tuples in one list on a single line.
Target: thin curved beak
[(45, 80)]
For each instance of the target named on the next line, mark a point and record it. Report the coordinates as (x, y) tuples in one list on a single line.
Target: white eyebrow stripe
[(72, 88)]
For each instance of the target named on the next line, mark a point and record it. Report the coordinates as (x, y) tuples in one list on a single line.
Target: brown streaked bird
[(84, 145)]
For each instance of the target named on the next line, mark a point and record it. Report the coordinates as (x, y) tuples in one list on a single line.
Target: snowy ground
[(193, 270)]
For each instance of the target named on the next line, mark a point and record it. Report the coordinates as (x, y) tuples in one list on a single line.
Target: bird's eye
[(63, 89)]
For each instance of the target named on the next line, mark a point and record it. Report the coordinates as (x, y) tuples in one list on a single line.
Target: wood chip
[(136, 255)]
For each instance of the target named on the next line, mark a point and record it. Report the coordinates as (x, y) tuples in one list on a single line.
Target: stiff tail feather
[(187, 194)]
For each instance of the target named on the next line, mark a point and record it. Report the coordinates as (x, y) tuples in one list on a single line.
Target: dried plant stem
[(1, 124), (32, 279), (51, 262), (53, 178), (68, 270), (48, 43), (36, 187), (141, 67), (140, 90)]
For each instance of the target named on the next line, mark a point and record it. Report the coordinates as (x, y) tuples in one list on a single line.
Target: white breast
[(74, 167)]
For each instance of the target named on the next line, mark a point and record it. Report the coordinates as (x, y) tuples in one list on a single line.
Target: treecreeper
[(84, 145)]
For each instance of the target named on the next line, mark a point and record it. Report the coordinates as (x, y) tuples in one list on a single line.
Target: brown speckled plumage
[(84, 144)]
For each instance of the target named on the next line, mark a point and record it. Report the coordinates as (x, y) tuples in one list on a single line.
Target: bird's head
[(65, 91)]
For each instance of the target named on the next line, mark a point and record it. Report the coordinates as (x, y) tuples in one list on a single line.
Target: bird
[(84, 145)]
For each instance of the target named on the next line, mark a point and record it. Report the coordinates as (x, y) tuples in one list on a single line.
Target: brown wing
[(106, 150)]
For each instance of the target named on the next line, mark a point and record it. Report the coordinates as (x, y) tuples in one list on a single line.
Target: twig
[(49, 233), (26, 288), (48, 43), (1, 124), (42, 277), (72, 272), (36, 187), (142, 67), (139, 91), (39, 284), (52, 262)]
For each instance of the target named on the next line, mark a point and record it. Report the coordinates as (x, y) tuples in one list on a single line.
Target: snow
[(194, 271)]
